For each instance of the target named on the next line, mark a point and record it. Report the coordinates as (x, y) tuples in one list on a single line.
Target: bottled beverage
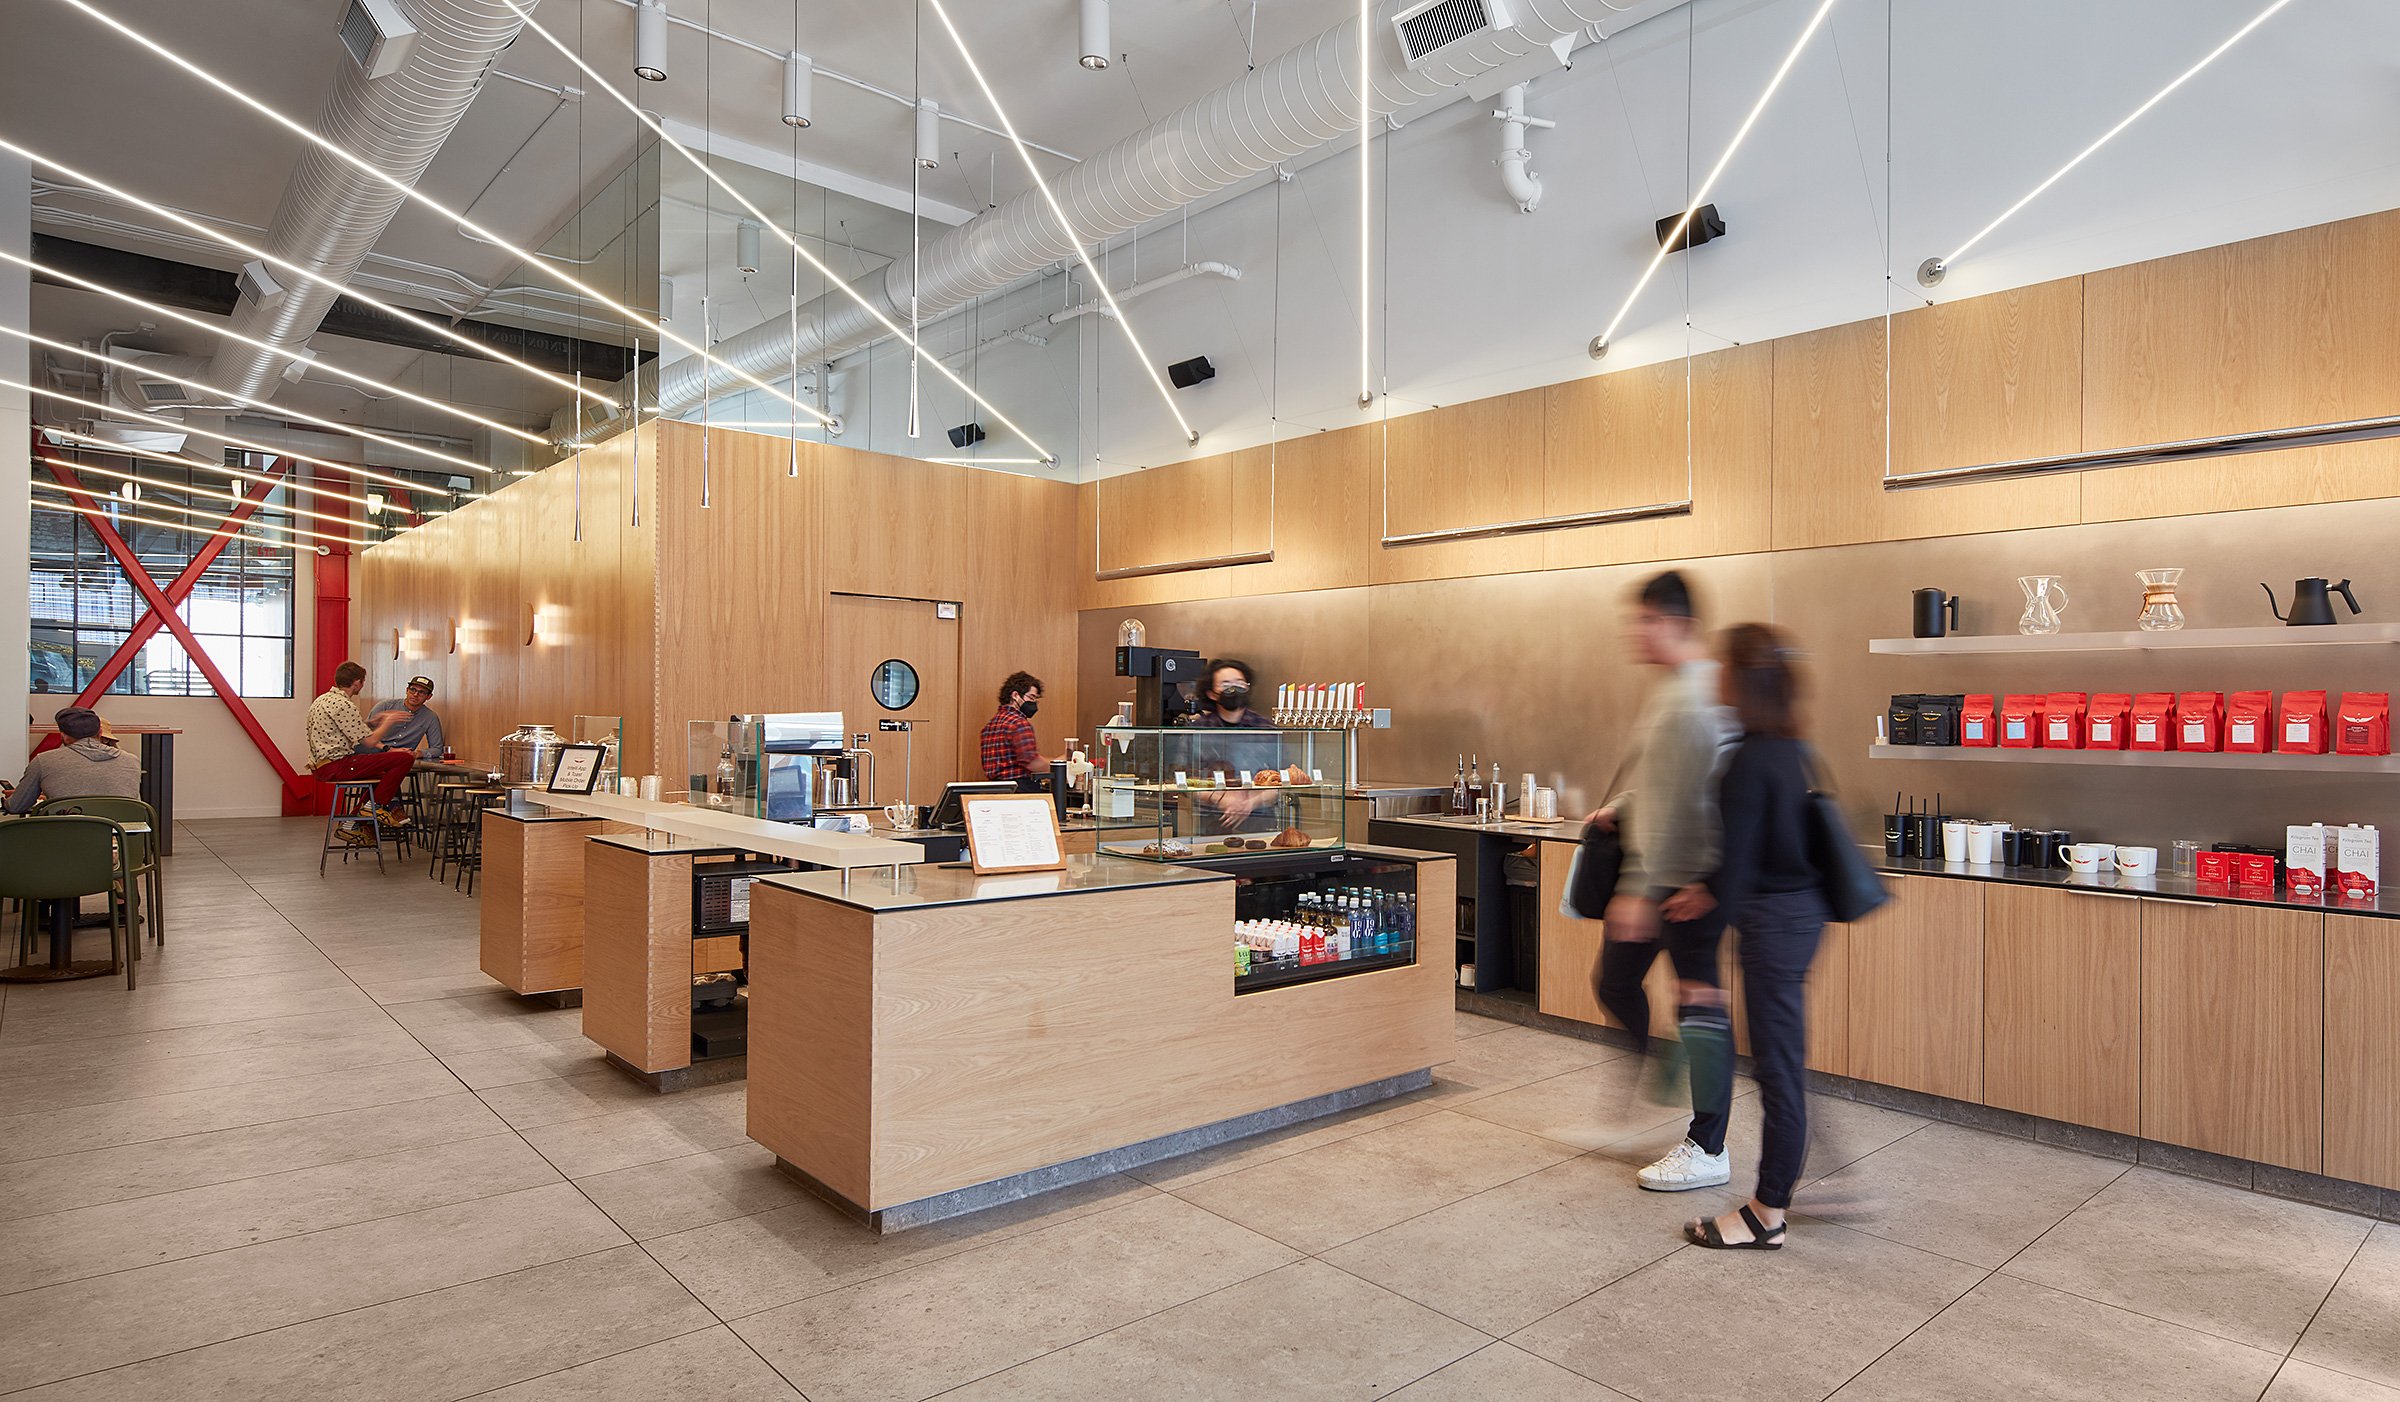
[(1458, 789), (1474, 787), (725, 778)]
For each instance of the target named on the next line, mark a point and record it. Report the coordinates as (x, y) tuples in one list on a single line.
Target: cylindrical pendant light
[(745, 246), (1095, 35), (799, 89), (929, 133), (650, 41)]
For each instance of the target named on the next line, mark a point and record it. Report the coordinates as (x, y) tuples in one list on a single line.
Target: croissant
[(1267, 778), (1290, 837)]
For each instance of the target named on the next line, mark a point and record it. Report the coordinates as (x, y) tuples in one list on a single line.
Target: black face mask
[(1233, 698), (1027, 708)]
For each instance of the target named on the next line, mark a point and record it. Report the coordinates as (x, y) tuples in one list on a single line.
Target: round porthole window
[(894, 685)]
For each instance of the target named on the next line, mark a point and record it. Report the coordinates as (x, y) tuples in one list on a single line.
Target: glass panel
[(1187, 792)]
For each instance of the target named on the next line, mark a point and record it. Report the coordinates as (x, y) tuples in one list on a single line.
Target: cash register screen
[(951, 813)]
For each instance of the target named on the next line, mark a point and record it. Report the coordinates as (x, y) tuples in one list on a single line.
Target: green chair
[(66, 857), (141, 855)]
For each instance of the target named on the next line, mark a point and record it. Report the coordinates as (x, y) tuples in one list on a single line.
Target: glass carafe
[(2045, 601), (2162, 612)]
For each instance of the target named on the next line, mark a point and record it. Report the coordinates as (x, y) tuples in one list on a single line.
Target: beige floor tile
[(712, 1364), (1504, 1258), (1305, 1331), (1476, 1025), (665, 1127), (2012, 1341), (448, 1343), (484, 1021), (2306, 1382), (166, 1165), (1515, 1056), (82, 1128), (2233, 1263), (529, 1061), (1239, 1154), (1323, 1197), (92, 1241), (1962, 1193), (87, 1325), (1505, 1373), (179, 1005), (676, 1195), (747, 1264), (1588, 1107), (934, 1326), (2357, 1331), (534, 1102), (63, 1060), (1810, 1316), (422, 987), (156, 1076)]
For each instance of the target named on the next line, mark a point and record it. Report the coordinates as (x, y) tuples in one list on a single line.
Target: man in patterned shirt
[(343, 745), (1009, 749)]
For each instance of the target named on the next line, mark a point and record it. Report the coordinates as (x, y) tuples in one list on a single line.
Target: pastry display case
[(1191, 792)]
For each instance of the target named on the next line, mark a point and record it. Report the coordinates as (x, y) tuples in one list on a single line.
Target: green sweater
[(1669, 820)]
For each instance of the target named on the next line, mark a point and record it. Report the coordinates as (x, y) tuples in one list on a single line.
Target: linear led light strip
[(110, 411), (42, 504), (1933, 269), (422, 323), (1366, 234), (232, 473), (166, 486), (1065, 226), (523, 12), (1700, 197), (284, 411), (409, 192), (300, 357), (221, 520)]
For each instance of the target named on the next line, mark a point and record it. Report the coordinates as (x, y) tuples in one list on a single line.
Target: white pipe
[(1516, 162), (1144, 289)]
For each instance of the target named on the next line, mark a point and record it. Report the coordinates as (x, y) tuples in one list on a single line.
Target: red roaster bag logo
[(2200, 720), (2152, 726), (2363, 723), (2106, 725), (2062, 720), (2249, 722), (2300, 727), (2020, 722), (1978, 723)]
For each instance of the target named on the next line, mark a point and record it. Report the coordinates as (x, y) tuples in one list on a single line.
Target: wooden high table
[(532, 925), (927, 1042)]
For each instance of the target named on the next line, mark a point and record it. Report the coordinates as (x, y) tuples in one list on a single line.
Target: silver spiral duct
[(1303, 100), (333, 215)]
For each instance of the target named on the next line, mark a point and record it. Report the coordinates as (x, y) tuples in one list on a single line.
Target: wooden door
[(2362, 1050), (1916, 989), (2233, 1030), (2062, 1005), (861, 634)]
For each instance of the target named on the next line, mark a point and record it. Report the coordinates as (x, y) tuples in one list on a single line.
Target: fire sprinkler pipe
[(1211, 268), (1516, 162)]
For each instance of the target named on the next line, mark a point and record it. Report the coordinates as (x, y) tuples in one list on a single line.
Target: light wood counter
[(533, 898)]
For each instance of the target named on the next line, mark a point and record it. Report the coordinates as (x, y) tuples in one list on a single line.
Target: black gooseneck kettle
[(2312, 602)]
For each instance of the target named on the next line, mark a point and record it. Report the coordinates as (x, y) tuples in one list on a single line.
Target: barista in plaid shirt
[(1009, 749)]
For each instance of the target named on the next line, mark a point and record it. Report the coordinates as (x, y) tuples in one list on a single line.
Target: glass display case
[(1304, 916), (608, 732), (1186, 792), (725, 768)]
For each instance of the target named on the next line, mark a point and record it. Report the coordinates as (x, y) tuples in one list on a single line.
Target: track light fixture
[(799, 90), (966, 435), (1184, 374), (929, 133), (745, 247), (650, 41), (1095, 35)]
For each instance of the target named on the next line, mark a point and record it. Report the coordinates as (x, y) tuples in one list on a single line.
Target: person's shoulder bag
[(1599, 860), (1851, 887)]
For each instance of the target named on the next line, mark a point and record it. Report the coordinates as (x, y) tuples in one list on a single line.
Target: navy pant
[(1617, 981), (1780, 934)]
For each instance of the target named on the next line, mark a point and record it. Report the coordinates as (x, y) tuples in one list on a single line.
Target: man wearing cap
[(84, 767), (343, 745), (419, 730)]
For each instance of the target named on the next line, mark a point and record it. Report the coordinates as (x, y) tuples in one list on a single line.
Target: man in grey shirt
[(1670, 835), (419, 730), (86, 766)]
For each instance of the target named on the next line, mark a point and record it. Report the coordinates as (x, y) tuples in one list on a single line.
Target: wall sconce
[(533, 624), (454, 637), (395, 644)]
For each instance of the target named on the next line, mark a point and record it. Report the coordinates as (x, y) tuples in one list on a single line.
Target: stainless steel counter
[(2162, 886)]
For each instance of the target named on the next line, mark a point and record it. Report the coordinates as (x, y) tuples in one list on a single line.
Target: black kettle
[(2312, 602)]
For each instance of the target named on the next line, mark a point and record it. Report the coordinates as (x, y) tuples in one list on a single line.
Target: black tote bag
[(1599, 861), (1852, 888)]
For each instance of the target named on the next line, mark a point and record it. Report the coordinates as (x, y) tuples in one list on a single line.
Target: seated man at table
[(419, 730), (86, 766), (342, 745)]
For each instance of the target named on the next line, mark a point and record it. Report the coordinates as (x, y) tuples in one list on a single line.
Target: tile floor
[(318, 1155)]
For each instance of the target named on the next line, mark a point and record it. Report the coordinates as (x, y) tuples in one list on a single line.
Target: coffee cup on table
[(2137, 861)]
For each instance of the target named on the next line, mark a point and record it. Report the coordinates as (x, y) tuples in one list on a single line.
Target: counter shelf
[(1368, 895), (1195, 793)]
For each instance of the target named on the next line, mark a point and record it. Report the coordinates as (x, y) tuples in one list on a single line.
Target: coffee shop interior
[(814, 482)]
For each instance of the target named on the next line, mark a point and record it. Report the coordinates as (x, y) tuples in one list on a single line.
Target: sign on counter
[(1013, 832)]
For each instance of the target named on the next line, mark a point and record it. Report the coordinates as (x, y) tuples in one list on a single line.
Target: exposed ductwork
[(332, 214), (1280, 110)]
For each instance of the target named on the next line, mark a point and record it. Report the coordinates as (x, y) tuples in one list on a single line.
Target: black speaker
[(966, 435), (1184, 374), (1706, 224)]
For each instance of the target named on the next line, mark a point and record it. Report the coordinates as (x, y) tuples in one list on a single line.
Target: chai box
[(2304, 861), (2358, 851)]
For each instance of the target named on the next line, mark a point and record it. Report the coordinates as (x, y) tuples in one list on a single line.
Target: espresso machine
[(1161, 678)]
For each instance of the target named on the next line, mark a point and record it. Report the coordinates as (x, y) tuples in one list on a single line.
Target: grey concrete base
[(715, 1071), (958, 1203), (556, 998)]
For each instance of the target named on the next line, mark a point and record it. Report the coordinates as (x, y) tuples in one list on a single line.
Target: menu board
[(1013, 832)]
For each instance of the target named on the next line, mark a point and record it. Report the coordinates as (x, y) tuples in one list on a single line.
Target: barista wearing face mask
[(1226, 702), (1009, 749)]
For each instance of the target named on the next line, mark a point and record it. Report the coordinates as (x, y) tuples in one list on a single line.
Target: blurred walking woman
[(1771, 890)]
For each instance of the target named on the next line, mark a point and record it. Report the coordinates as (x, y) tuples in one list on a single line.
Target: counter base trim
[(715, 1071), (1016, 1187), (555, 997)]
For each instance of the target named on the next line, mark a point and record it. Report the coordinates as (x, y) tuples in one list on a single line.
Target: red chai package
[(2200, 720), (2152, 725), (2359, 851), (2363, 724), (2106, 725), (2300, 724), (2021, 722), (2062, 720), (2250, 722), (1979, 723)]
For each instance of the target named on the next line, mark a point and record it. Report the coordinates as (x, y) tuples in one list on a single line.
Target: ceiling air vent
[(1427, 29), (377, 35)]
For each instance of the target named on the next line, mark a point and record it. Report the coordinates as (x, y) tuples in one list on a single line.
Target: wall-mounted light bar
[(1366, 205), (1065, 226), (111, 411), (2227, 445)]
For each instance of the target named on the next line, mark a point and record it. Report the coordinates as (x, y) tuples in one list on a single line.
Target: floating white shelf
[(2148, 759), (2335, 635)]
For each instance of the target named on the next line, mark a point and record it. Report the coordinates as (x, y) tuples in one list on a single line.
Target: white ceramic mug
[(1954, 840), (902, 816), (2137, 861), (2090, 857), (1982, 840)]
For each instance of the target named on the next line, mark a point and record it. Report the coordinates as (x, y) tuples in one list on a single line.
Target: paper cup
[(1954, 840), (1982, 841)]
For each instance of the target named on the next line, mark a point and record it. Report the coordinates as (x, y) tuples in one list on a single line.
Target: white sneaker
[(1685, 1167)]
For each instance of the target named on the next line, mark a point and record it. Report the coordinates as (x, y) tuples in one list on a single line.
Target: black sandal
[(1762, 1237)]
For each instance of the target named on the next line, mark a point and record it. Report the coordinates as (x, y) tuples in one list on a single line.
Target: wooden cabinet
[(2062, 1005), (1916, 989), (2233, 1030), (1571, 951), (2362, 1049)]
